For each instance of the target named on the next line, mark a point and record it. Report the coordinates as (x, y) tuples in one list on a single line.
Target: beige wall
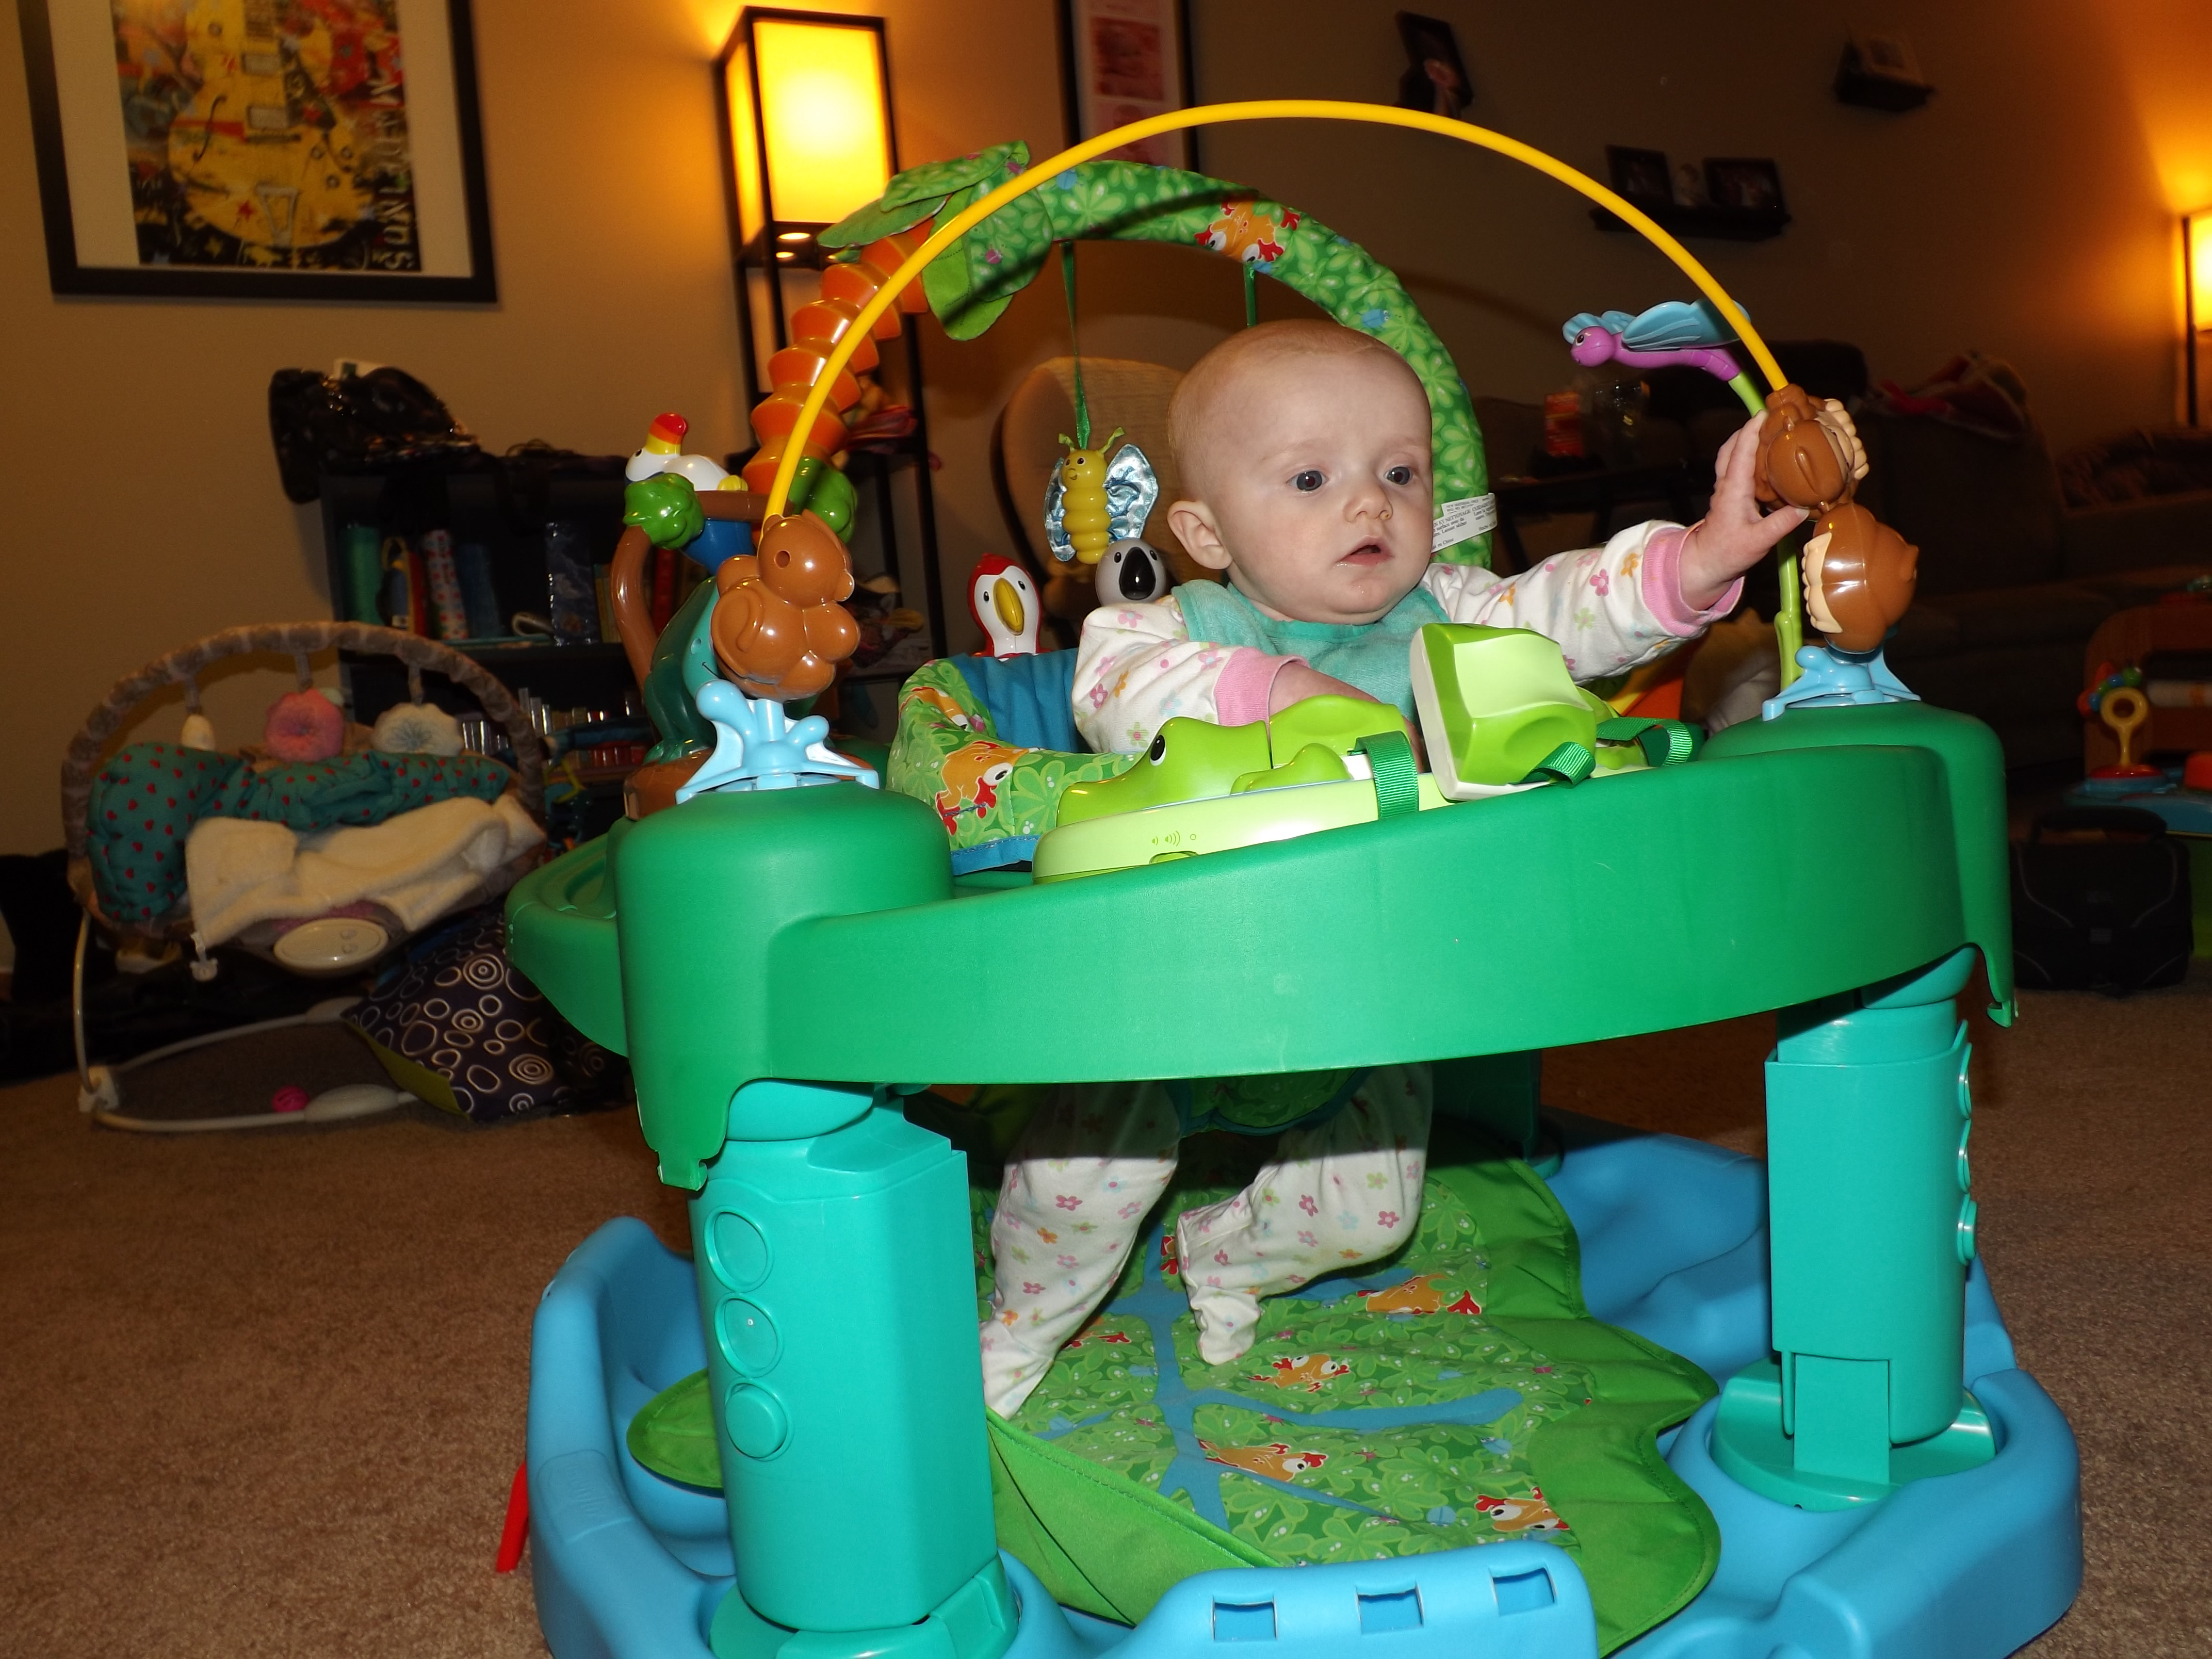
[(2028, 210)]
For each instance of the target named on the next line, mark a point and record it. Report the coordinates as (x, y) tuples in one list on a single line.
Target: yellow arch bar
[(1258, 109)]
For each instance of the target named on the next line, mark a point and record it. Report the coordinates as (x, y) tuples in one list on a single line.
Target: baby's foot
[(1227, 1319), (1227, 1323)]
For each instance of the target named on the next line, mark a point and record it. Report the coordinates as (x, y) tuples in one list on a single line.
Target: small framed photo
[(1886, 57), (264, 149), (1121, 60), (1641, 175), (1744, 184), (1435, 79)]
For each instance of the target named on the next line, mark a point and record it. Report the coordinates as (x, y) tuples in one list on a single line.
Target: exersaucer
[(1884, 1479)]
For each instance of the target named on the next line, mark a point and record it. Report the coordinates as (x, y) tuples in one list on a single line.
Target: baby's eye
[(1308, 481), (1399, 475)]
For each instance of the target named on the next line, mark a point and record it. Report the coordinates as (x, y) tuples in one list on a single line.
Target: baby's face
[(1315, 489)]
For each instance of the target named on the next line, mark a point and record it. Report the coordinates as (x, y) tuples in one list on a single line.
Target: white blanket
[(416, 864)]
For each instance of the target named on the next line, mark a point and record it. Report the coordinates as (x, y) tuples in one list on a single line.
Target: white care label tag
[(1471, 515)]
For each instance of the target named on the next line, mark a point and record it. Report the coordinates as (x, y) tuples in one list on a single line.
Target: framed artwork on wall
[(1641, 175), (1121, 60), (1436, 79), (273, 150), (1753, 184)]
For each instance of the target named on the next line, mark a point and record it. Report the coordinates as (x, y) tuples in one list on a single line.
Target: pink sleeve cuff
[(1662, 586), (1240, 695)]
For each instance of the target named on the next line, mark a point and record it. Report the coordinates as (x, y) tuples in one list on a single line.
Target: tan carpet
[(264, 1394)]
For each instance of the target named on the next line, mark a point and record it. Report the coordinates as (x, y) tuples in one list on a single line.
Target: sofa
[(2013, 581)]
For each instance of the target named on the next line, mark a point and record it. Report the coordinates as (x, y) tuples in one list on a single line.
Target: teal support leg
[(1871, 1228), (837, 1291)]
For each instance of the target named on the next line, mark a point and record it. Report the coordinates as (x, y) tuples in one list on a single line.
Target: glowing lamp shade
[(810, 124), (2197, 236)]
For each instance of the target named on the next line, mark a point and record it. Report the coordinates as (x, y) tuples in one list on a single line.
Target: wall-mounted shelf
[(1719, 223)]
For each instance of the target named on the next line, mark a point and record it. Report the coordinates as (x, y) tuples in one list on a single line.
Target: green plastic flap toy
[(1197, 760), (1336, 723), (1496, 704)]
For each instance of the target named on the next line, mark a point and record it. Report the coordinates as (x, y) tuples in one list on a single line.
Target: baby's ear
[(1193, 524)]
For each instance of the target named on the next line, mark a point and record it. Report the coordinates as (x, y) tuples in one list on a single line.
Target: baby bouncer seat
[(1620, 1393), (412, 838)]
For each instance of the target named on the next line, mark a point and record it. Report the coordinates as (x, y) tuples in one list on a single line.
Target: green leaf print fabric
[(970, 285), (988, 794), (1457, 1394)]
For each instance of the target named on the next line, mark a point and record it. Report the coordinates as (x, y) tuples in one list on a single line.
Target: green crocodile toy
[(1196, 759)]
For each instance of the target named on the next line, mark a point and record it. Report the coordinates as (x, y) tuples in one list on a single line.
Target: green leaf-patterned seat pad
[(1456, 1393)]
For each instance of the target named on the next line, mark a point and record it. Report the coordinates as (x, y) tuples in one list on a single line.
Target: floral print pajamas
[(1612, 608), (1094, 1160), (1347, 1189)]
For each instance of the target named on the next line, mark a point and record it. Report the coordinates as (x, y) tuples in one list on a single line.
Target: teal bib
[(1376, 656)]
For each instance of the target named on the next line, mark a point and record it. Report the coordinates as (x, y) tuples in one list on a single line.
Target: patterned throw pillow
[(458, 1026)]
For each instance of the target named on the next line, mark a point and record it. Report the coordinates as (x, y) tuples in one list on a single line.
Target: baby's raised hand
[(1733, 535)]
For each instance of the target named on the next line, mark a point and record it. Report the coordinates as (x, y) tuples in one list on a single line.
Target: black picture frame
[(68, 274), (1745, 184), (1430, 45), (1641, 175), (1083, 113)]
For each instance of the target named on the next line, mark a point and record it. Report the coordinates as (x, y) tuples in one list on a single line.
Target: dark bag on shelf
[(324, 423), (2101, 902)]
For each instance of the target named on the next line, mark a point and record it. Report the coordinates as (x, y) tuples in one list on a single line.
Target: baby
[(1304, 447)]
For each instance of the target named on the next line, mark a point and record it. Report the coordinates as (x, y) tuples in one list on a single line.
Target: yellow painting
[(270, 134)]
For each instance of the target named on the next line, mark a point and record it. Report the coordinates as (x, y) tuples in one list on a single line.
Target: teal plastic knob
[(736, 1252), (757, 1423), (748, 1336)]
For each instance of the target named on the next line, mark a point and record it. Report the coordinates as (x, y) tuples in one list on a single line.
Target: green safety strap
[(1397, 779), (1074, 351), (1570, 763), (1664, 742), (1251, 293)]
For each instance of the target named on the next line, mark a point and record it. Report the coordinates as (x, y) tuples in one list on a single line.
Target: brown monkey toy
[(1859, 577), (778, 628), (1810, 454)]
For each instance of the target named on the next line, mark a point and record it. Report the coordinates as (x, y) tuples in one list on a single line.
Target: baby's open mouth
[(1367, 554)]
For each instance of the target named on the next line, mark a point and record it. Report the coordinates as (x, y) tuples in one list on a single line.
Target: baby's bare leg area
[(1342, 1193), (1087, 1170)]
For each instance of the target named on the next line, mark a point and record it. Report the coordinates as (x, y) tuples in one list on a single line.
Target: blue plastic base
[(1673, 1245)]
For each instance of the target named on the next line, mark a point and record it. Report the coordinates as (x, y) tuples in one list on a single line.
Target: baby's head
[(1304, 447)]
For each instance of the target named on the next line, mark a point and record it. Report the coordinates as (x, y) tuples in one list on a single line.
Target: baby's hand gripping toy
[(1809, 455)]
